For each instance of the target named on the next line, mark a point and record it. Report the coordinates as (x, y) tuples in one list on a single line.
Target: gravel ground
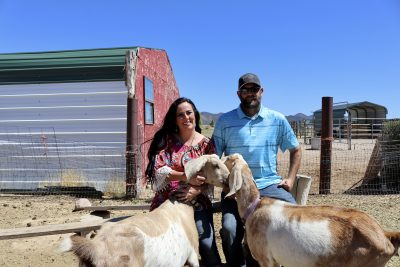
[(22, 211)]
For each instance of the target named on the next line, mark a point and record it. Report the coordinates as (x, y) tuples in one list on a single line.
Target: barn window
[(148, 101)]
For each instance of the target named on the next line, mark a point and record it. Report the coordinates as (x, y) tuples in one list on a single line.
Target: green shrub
[(207, 130), (391, 130)]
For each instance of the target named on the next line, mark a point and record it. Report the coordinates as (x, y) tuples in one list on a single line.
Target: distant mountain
[(299, 117), (207, 117)]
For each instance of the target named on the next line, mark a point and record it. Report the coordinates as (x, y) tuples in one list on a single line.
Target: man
[(256, 133)]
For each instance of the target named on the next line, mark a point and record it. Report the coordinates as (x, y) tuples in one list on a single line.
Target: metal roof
[(363, 109), (360, 112), (104, 64)]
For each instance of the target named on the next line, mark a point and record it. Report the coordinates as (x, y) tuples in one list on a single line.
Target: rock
[(81, 203)]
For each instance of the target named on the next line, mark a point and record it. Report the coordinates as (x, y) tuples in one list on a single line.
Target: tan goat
[(305, 236), (166, 236)]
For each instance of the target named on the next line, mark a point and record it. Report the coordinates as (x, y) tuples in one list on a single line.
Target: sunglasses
[(252, 90)]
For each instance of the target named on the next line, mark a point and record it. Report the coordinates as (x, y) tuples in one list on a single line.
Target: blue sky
[(301, 50)]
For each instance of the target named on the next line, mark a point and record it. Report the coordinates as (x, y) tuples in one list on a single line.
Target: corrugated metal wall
[(48, 130)]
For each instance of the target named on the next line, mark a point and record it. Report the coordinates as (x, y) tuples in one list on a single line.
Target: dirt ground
[(22, 211)]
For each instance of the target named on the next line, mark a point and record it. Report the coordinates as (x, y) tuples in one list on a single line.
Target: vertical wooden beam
[(131, 126), (131, 149), (326, 145)]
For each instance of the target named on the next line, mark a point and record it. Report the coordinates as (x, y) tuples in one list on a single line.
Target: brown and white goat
[(305, 236), (167, 236)]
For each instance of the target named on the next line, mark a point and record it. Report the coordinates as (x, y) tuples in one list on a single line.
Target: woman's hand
[(199, 180), (188, 193)]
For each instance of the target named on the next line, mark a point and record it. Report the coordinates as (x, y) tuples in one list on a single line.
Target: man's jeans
[(207, 245), (276, 192), (232, 231)]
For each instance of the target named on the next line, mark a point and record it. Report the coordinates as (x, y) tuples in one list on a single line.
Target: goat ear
[(223, 159), (193, 166), (235, 179)]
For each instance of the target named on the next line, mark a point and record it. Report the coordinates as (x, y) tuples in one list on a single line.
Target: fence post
[(372, 129), (349, 130), (131, 155), (326, 145), (131, 126)]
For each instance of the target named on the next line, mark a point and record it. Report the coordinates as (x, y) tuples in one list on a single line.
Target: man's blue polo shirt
[(257, 139)]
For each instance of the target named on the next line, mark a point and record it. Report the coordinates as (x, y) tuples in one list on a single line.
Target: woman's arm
[(176, 176), (166, 174)]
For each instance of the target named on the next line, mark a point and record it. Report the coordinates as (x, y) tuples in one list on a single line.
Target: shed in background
[(75, 115), (365, 119)]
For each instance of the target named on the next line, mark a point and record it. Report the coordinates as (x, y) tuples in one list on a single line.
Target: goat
[(209, 166), (278, 232), (166, 236)]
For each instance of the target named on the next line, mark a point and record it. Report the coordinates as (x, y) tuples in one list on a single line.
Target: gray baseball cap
[(249, 78)]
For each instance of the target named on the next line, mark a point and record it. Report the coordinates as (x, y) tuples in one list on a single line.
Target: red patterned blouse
[(175, 156)]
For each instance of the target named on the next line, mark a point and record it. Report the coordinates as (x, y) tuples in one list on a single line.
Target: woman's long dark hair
[(168, 128)]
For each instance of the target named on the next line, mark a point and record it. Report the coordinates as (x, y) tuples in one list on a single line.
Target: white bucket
[(315, 143)]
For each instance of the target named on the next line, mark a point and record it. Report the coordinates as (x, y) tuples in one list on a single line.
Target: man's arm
[(295, 159), (217, 138)]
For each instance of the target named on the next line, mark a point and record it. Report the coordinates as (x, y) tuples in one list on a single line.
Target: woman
[(178, 141)]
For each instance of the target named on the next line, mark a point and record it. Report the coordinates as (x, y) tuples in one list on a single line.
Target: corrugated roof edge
[(124, 48), (55, 66)]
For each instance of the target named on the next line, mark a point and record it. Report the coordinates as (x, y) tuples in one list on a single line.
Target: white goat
[(166, 236), (305, 236)]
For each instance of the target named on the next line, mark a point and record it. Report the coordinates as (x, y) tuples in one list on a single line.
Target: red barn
[(112, 99)]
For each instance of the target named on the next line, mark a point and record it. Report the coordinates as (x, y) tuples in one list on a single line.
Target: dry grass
[(72, 177), (67, 178), (115, 188)]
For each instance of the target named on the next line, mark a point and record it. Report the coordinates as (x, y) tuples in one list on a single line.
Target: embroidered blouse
[(173, 157)]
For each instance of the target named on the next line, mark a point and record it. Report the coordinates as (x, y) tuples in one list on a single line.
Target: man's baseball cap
[(248, 78)]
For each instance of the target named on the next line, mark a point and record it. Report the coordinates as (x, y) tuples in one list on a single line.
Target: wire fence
[(371, 167), (45, 164)]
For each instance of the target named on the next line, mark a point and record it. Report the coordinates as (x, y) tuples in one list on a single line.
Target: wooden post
[(131, 149), (326, 145), (131, 126)]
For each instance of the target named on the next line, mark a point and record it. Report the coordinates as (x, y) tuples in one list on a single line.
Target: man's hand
[(286, 184)]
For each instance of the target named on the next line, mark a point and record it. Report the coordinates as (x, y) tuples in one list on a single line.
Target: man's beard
[(250, 104)]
